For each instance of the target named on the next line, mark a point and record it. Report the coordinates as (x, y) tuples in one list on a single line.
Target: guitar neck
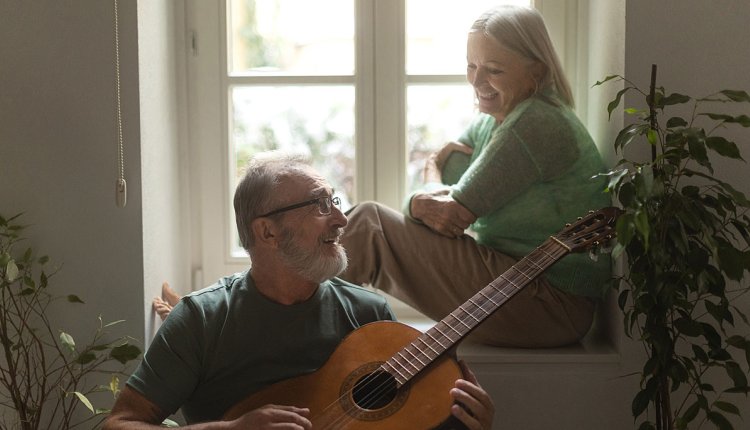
[(416, 356)]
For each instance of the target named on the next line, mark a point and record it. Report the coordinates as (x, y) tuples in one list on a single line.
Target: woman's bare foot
[(163, 305), (169, 295)]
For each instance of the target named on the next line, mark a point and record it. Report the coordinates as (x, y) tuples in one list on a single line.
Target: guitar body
[(336, 401)]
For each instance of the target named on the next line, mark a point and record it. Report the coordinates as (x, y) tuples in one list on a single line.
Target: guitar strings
[(521, 278)]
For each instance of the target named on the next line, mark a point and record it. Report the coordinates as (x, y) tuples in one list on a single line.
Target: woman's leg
[(436, 274)]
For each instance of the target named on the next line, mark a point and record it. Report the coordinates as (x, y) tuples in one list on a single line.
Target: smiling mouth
[(487, 96)]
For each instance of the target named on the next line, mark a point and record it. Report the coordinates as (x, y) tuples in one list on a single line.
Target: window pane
[(313, 120), (299, 37), (436, 33), (436, 114)]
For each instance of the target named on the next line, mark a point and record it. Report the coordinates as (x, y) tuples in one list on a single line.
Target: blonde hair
[(522, 29)]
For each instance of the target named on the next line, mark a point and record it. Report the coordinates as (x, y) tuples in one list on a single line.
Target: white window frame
[(380, 128)]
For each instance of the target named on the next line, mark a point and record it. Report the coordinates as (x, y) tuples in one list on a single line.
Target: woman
[(519, 173)]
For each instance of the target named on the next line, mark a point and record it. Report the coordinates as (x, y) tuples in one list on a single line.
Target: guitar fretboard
[(412, 359)]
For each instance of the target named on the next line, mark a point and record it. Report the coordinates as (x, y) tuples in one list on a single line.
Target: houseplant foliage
[(685, 235), (45, 375)]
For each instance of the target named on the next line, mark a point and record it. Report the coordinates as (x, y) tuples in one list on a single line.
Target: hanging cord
[(121, 188)]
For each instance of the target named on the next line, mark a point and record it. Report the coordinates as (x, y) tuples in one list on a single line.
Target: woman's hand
[(474, 406), (434, 164), (442, 214)]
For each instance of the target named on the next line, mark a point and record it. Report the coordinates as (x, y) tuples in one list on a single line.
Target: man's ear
[(265, 231)]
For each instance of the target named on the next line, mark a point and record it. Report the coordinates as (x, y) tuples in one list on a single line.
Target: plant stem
[(651, 109)]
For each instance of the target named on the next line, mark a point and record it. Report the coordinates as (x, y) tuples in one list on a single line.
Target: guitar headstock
[(594, 229)]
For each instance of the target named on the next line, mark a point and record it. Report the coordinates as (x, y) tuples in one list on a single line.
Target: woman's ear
[(538, 71)]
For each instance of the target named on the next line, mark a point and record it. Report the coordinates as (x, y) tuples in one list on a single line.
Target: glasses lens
[(324, 205)]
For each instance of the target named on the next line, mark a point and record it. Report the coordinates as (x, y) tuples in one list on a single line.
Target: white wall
[(164, 151), (58, 152)]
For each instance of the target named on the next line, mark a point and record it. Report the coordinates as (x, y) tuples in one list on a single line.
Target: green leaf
[(732, 261), (67, 341), (692, 412), (113, 323), (723, 147), (676, 121), (85, 358), (719, 312), (700, 354), (627, 134), (742, 120), (626, 194), (688, 327), (85, 401), (11, 271), (72, 298), (737, 341), (640, 402), (673, 99), (720, 420), (608, 78), (734, 371), (622, 299), (697, 149), (114, 385), (642, 225), (736, 96), (125, 353), (727, 407), (169, 423)]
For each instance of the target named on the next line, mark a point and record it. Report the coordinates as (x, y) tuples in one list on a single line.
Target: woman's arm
[(438, 211)]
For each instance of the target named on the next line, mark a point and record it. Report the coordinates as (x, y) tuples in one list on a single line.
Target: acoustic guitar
[(387, 375)]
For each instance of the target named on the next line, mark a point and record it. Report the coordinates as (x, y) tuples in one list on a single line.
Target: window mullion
[(390, 102), (365, 99)]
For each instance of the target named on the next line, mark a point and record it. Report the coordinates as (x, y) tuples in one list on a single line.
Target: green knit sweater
[(527, 178)]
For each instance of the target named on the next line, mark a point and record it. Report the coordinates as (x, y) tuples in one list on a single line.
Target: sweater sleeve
[(532, 145)]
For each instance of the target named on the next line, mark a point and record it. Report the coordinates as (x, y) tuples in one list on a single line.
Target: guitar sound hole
[(374, 391)]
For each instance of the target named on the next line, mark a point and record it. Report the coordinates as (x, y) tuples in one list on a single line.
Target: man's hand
[(275, 417), (474, 406), (438, 211)]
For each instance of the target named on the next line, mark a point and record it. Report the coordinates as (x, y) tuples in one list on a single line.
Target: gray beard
[(310, 264)]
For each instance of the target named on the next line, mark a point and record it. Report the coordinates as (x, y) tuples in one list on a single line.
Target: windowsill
[(592, 350), (595, 348)]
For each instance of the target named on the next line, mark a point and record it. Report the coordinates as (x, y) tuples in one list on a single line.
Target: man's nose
[(338, 217)]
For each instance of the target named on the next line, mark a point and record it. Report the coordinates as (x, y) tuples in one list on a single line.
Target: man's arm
[(133, 411)]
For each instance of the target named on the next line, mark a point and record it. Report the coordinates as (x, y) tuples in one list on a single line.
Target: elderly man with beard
[(280, 319)]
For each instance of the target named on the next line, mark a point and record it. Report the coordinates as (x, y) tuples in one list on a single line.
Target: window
[(366, 87)]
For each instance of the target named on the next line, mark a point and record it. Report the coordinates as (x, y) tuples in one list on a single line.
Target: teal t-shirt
[(222, 343), (527, 177)]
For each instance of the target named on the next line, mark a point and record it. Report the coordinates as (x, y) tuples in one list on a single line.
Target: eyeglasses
[(325, 204)]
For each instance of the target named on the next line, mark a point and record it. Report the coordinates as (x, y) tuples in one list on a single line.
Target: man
[(280, 319)]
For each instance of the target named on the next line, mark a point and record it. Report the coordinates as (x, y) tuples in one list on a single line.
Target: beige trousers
[(435, 275)]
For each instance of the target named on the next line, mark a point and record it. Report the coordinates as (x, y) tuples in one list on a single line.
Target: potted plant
[(45, 375), (685, 235)]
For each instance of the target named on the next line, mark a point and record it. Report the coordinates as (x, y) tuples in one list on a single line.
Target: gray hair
[(255, 194), (521, 29)]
